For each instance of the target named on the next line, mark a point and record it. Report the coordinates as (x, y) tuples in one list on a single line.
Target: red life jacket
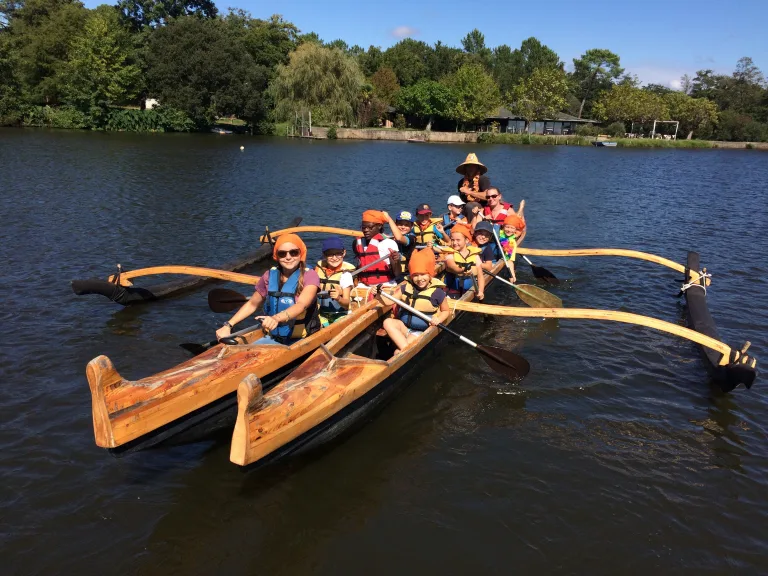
[(500, 218), (366, 253)]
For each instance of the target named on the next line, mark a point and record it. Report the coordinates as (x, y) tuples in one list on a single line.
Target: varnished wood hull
[(194, 399), (323, 397)]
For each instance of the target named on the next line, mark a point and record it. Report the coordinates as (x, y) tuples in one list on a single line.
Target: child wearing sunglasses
[(288, 294)]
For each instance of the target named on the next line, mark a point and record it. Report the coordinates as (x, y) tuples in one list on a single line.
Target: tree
[(427, 99), (141, 14), (322, 80), (510, 67), (540, 96), (100, 71), (476, 92), (629, 104), (310, 37), (657, 89), (694, 114), (269, 42), (444, 60), (594, 71), (385, 85), (686, 84), (474, 45), (370, 61), (10, 86), (7, 10), (409, 59), (340, 44), (202, 68)]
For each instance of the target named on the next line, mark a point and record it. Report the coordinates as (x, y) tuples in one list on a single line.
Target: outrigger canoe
[(339, 385), (196, 398)]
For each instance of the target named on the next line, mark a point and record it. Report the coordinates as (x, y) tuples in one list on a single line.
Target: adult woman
[(497, 209), (463, 265), (288, 293), (473, 186)]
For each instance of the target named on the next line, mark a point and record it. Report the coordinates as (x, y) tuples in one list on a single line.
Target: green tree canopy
[(385, 84), (427, 99), (269, 42), (141, 14), (474, 45), (370, 60), (629, 104), (595, 71), (323, 80), (409, 59), (100, 71), (541, 95), (696, 115), (476, 92), (444, 60)]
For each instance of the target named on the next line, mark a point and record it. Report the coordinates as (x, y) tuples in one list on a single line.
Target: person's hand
[(394, 256), (333, 293), (268, 323), (386, 215), (430, 244), (223, 332), (440, 228), (512, 276), (434, 321), (480, 295)]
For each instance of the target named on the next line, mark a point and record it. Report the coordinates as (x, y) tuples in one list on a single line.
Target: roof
[(504, 114)]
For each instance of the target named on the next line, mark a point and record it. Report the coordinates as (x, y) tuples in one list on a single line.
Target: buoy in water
[(242, 147)]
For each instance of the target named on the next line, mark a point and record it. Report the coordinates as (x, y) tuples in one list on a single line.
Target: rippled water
[(614, 456)]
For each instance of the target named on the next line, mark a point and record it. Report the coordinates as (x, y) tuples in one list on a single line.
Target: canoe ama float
[(124, 293), (336, 387), (196, 398)]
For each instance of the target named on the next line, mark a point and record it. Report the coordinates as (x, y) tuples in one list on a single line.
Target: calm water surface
[(614, 456)]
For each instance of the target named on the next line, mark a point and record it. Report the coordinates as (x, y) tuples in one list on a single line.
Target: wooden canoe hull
[(324, 396), (132, 415), (128, 295)]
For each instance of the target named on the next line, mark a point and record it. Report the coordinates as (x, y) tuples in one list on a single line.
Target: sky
[(658, 40)]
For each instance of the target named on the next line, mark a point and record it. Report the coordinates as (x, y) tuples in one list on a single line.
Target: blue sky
[(657, 40)]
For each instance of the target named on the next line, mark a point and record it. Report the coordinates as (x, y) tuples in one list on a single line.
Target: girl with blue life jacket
[(288, 293), (463, 266), (336, 279), (421, 290), (483, 236), (455, 213), (402, 233), (372, 246)]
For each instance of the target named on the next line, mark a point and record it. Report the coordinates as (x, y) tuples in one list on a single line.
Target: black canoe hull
[(699, 318), (131, 295)]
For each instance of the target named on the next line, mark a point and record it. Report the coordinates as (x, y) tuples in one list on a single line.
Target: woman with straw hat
[(474, 184)]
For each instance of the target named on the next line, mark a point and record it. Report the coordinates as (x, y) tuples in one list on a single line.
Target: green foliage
[(510, 67), (370, 61), (410, 60), (595, 71), (141, 14), (385, 84), (323, 80), (399, 122), (541, 95), (696, 115), (474, 45), (10, 86), (532, 139), (628, 104), (738, 127), (587, 130), (444, 60), (332, 132), (62, 117), (100, 71), (476, 93), (161, 119), (370, 108), (427, 99), (616, 129)]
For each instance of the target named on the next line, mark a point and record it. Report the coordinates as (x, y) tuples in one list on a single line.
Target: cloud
[(404, 32), (664, 75)]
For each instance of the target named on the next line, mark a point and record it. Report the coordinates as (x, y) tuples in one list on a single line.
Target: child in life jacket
[(511, 231), (372, 246), (422, 291), (402, 233), (455, 213), (463, 265), (483, 236), (428, 231), (336, 279)]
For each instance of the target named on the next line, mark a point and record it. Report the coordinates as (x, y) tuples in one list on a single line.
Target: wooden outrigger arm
[(123, 278), (305, 229)]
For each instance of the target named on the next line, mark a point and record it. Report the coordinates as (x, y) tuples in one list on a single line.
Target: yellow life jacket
[(328, 306), (462, 281), (428, 234), (470, 258), (419, 299)]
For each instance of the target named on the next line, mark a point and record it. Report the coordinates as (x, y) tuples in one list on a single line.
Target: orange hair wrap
[(463, 229), (513, 220), (374, 216), (422, 262), (293, 239)]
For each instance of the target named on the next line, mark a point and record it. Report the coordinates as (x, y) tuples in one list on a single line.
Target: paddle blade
[(544, 275), (195, 349), (537, 297), (504, 362), (223, 300)]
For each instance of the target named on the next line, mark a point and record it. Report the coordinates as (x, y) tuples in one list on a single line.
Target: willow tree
[(322, 80)]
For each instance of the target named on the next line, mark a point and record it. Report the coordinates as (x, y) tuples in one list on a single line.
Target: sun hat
[(332, 243), (471, 160), (455, 201)]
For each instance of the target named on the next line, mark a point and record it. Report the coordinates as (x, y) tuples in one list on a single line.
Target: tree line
[(66, 66)]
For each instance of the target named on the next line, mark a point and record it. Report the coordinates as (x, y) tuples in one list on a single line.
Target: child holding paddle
[(512, 230), (483, 236), (422, 291), (463, 266), (335, 278)]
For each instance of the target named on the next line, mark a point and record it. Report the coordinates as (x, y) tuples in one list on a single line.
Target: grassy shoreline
[(541, 140)]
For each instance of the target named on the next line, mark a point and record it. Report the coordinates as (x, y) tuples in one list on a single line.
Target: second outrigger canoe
[(196, 398), (336, 387)]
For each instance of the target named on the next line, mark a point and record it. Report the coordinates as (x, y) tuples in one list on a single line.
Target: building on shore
[(512, 123)]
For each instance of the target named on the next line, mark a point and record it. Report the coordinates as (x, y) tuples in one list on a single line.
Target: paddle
[(307, 229), (196, 349), (532, 295), (504, 362), (542, 273)]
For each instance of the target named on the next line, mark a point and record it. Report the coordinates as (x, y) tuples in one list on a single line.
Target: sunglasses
[(333, 253), (285, 253), (491, 195)]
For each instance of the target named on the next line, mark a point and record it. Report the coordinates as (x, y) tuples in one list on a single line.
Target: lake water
[(615, 455)]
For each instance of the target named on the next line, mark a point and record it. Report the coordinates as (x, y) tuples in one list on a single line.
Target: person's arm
[(343, 295), (451, 266), (253, 304), (480, 278), (443, 314), (304, 301), (396, 234)]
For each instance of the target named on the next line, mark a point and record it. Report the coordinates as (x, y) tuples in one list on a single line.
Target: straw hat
[(471, 159)]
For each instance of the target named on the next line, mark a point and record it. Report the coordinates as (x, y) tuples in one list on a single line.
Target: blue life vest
[(448, 223), (280, 298)]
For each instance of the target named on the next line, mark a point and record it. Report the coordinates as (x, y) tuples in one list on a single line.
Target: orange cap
[(514, 220), (422, 262), (293, 239), (374, 216), (463, 229)]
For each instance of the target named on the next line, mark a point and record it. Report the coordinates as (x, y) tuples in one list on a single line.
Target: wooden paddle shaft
[(611, 252), (189, 270), (613, 316), (304, 229)]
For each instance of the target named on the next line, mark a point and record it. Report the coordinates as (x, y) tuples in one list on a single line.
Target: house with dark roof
[(562, 123)]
